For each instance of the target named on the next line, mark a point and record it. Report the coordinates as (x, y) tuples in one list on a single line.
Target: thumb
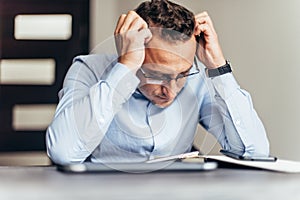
[(197, 31), (146, 34)]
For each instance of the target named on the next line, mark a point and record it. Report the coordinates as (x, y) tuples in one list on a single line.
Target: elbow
[(63, 149), (57, 157), (61, 156), (54, 151), (59, 152)]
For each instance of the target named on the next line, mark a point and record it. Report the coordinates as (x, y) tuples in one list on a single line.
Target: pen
[(175, 157)]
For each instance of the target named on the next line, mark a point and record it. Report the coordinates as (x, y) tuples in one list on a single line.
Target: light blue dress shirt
[(103, 117)]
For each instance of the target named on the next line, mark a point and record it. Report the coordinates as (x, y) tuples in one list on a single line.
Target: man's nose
[(169, 91)]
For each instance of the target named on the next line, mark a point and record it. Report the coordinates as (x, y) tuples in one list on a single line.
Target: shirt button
[(101, 120), (238, 122)]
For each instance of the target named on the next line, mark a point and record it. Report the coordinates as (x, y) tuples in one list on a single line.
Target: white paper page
[(279, 165)]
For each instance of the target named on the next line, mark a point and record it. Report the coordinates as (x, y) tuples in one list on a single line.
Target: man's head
[(170, 53), (176, 21)]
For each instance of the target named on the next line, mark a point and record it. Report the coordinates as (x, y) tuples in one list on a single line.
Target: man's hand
[(209, 51), (131, 35)]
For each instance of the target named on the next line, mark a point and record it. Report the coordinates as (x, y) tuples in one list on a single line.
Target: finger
[(206, 34), (205, 29), (120, 23), (146, 34), (138, 24), (130, 17), (203, 18), (202, 15), (197, 30)]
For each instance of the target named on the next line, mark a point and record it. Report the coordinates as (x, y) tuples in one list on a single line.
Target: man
[(169, 75)]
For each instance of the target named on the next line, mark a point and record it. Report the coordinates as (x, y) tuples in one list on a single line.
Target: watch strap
[(219, 71)]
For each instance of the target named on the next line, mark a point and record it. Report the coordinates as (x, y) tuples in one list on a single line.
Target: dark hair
[(175, 21)]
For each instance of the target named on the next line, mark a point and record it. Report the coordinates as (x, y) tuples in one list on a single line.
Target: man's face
[(163, 66)]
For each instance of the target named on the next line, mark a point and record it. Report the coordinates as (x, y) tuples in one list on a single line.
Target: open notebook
[(280, 165), (183, 162)]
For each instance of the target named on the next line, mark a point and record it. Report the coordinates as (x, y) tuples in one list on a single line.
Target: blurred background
[(259, 37)]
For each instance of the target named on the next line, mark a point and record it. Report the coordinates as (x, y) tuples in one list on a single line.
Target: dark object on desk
[(246, 158), (169, 166)]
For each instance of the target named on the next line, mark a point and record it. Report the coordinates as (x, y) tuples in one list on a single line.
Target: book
[(278, 165)]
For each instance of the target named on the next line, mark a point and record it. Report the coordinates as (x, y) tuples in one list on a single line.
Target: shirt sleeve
[(230, 116), (87, 103)]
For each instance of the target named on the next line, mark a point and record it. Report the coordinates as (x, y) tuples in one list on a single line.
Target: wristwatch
[(219, 71)]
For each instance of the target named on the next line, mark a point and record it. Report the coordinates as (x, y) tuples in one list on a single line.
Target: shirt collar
[(138, 95)]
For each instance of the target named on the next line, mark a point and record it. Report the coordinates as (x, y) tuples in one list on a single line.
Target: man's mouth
[(162, 98), (161, 101)]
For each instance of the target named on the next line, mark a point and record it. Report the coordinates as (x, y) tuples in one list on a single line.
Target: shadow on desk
[(24, 159)]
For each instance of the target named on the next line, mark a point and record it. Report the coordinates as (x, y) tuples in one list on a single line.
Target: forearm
[(234, 121), (84, 115), (77, 130)]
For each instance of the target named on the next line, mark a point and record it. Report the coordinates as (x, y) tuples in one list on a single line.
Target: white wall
[(262, 40)]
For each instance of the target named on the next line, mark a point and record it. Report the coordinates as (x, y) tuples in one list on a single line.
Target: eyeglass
[(165, 79)]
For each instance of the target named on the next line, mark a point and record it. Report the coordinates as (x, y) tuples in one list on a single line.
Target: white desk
[(225, 184)]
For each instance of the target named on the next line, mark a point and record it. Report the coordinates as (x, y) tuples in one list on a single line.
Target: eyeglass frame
[(179, 76)]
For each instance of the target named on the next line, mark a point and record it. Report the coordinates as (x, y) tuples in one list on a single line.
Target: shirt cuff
[(122, 80), (225, 85)]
